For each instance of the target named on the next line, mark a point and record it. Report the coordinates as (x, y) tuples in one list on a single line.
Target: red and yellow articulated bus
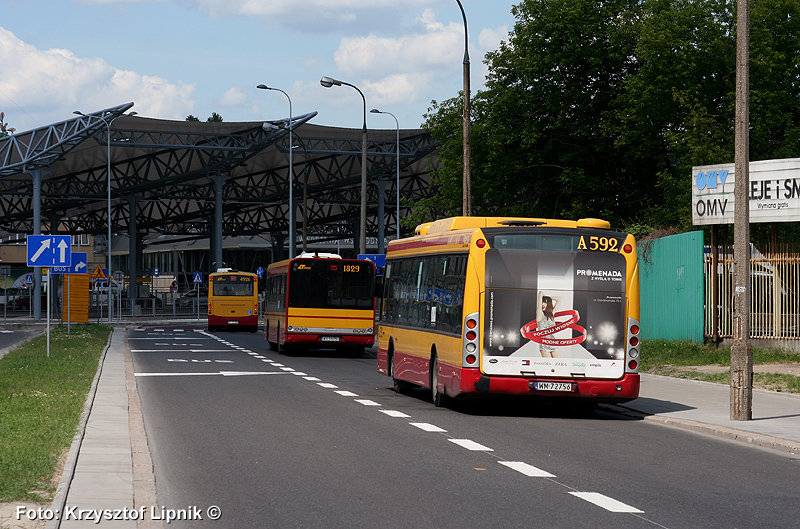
[(519, 306), (320, 300)]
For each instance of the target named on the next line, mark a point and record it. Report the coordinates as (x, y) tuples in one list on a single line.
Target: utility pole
[(742, 348)]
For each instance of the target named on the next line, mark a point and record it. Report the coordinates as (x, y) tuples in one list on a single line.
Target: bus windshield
[(331, 284), (233, 285)]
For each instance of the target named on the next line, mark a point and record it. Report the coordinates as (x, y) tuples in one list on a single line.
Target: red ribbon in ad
[(529, 330)]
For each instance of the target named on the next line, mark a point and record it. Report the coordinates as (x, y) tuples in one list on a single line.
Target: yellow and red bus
[(232, 300), (320, 300), (519, 306)]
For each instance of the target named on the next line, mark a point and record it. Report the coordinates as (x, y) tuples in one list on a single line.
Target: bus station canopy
[(165, 175)]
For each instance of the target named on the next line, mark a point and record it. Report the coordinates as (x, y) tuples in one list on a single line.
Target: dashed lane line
[(609, 504)]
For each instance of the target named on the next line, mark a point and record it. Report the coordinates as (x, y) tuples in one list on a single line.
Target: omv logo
[(711, 179)]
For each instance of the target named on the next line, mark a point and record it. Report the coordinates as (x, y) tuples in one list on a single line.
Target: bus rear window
[(233, 285), (329, 283)]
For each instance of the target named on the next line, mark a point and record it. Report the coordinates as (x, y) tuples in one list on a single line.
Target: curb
[(722, 432), (38, 332)]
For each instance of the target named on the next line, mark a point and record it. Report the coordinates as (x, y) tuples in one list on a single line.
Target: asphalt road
[(320, 440)]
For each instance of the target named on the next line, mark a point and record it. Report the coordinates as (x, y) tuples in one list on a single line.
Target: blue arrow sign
[(78, 266), (260, 272), (49, 250)]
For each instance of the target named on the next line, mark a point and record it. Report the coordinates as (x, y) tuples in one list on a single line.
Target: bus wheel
[(399, 386), (273, 346), (436, 395)]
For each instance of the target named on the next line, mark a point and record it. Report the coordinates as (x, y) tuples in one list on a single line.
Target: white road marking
[(327, 385), (223, 373), (471, 445), (367, 402), (177, 360), (287, 369), (299, 373), (528, 470), (345, 393), (312, 379), (427, 427), (181, 351), (395, 413), (609, 504)]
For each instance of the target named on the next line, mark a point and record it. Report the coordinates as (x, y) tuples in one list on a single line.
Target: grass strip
[(41, 401), (672, 358)]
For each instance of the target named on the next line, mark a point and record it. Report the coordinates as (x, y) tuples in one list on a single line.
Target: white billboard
[(773, 192)]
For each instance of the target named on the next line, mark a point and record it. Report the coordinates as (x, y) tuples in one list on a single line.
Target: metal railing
[(774, 288)]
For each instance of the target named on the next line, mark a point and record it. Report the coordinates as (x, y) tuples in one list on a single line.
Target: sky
[(173, 58)]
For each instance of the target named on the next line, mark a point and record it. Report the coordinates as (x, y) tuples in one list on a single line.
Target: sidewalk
[(109, 468), (109, 463), (705, 407)]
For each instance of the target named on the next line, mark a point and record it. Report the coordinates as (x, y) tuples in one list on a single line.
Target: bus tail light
[(632, 347), (255, 309), (470, 341)]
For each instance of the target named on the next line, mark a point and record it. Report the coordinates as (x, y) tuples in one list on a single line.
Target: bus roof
[(461, 223)]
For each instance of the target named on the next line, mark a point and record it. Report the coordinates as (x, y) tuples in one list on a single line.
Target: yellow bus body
[(233, 301), (289, 324), (420, 353)]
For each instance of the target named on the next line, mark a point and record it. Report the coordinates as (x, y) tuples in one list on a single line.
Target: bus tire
[(399, 386), (273, 346), (437, 397)]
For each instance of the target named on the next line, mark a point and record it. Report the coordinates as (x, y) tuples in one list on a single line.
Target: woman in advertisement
[(545, 319)]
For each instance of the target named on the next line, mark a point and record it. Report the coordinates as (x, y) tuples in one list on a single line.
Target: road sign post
[(48, 251), (198, 280)]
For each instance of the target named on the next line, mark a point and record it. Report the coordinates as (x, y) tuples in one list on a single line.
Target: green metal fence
[(672, 287)]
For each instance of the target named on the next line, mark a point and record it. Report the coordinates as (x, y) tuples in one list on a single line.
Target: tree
[(539, 143), (602, 108), (214, 118), (4, 128)]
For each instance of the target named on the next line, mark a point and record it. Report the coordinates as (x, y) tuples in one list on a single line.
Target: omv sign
[(710, 179), (773, 192)]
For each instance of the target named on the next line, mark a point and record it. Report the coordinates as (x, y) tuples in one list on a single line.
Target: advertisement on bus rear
[(554, 314)]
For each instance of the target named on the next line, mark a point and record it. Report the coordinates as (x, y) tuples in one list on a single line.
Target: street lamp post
[(328, 82), (467, 190), (292, 226), (397, 170), (108, 123)]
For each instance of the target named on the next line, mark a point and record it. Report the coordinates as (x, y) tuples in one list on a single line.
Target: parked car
[(23, 301), (189, 298), (7, 296)]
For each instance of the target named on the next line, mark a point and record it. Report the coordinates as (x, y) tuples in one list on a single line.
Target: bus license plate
[(330, 339), (553, 386), (233, 322)]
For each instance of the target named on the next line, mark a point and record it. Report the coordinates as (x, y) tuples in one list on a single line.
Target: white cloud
[(234, 97), (404, 68), (42, 87), (344, 10), (489, 39)]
